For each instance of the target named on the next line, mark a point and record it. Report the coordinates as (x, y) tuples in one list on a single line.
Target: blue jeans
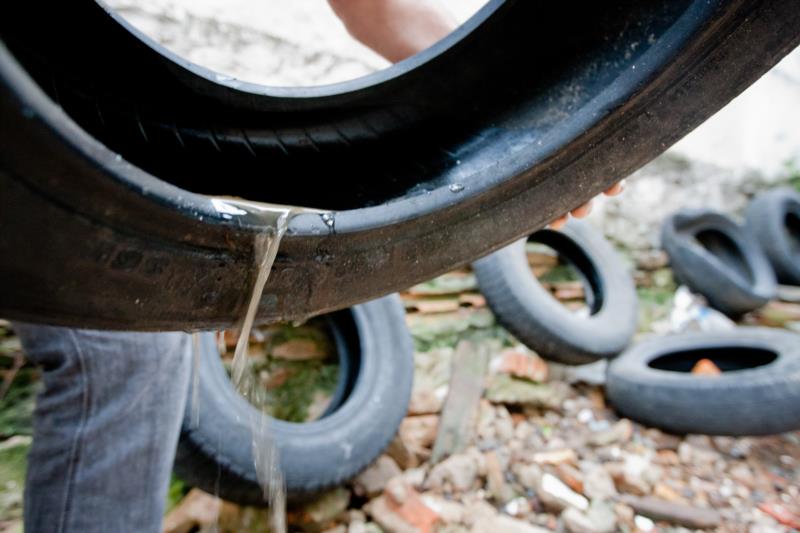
[(105, 427)]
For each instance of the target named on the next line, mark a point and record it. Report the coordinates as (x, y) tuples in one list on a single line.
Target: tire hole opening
[(306, 371), (565, 271), (726, 250), (727, 359), (792, 223)]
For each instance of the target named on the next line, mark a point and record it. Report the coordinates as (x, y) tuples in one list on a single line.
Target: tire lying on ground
[(524, 307), (774, 219), (716, 257), (216, 454), (758, 392), (111, 142)]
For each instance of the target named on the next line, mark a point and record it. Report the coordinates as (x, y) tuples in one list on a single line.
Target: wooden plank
[(460, 410)]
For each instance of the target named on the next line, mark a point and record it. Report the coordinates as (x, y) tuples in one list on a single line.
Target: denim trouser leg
[(105, 427)]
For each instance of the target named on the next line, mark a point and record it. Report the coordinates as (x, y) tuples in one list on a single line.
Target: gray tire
[(716, 257), (216, 455), (774, 219), (650, 382), (536, 318)]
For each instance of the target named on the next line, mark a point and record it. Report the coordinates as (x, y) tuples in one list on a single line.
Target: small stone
[(643, 523), (476, 509), (698, 451), (517, 507), (556, 457), (571, 477), (625, 515), (620, 432), (321, 510), (557, 496), (503, 424), (397, 490), (356, 515), (420, 430), (513, 391), (496, 480), (372, 481), (458, 471), (668, 457), (665, 492), (598, 484), (358, 526), (600, 518), (449, 511), (402, 453), (662, 440), (520, 362), (425, 401), (504, 524), (529, 476), (414, 439), (411, 515), (415, 477), (637, 475)]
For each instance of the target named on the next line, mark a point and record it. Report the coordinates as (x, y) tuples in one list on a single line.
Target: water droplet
[(456, 187), (328, 219), (224, 77), (118, 158), (226, 216)]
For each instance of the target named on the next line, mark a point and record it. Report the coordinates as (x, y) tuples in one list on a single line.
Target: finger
[(615, 189), (583, 210), (559, 222)]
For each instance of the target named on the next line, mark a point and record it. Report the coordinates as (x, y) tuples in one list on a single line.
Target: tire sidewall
[(313, 455), (756, 401), (567, 337)]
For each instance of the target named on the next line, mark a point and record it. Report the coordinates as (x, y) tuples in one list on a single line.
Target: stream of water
[(265, 452)]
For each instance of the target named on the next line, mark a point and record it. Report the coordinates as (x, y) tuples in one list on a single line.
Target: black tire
[(774, 219), (536, 318), (752, 401), (526, 111), (216, 455), (716, 257)]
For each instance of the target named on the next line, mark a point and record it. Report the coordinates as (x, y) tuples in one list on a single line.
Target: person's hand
[(585, 209)]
